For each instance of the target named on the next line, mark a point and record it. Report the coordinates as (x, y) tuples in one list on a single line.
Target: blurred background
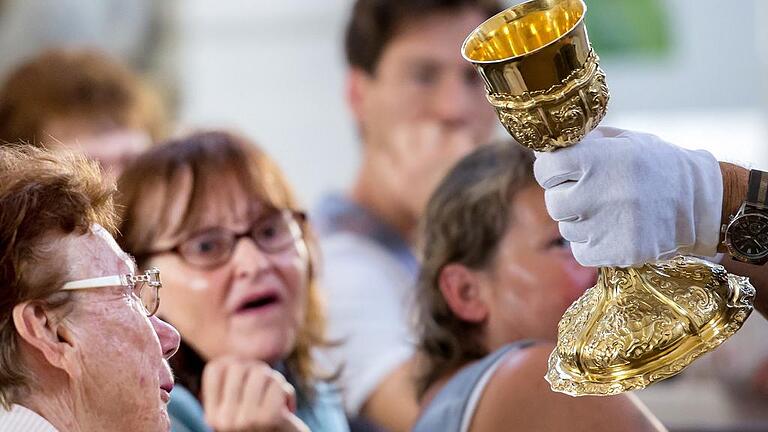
[(691, 71)]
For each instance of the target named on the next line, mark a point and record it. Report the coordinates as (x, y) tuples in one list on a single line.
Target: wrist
[(735, 180)]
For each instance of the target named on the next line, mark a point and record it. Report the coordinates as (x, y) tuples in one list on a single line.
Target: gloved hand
[(625, 198)]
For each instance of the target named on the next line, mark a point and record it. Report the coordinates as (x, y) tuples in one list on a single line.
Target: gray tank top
[(454, 405)]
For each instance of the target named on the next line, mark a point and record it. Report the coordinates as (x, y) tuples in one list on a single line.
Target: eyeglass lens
[(149, 296)]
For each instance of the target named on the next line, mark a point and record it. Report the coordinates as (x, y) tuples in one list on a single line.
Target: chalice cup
[(637, 325)]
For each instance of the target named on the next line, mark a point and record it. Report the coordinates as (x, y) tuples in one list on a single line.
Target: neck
[(368, 193), (56, 406)]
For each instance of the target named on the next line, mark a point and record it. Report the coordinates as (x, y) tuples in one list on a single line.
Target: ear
[(46, 334), (462, 291), (357, 88)]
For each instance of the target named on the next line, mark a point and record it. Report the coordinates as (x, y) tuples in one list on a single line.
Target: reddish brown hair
[(63, 83), (42, 194)]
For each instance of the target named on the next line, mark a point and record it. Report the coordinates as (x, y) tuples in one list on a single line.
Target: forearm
[(735, 179)]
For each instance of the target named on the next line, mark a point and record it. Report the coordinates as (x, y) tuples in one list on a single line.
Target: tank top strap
[(453, 407)]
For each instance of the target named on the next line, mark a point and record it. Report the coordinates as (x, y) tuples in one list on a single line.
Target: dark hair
[(374, 23), (43, 195), (150, 185), (65, 82), (465, 220)]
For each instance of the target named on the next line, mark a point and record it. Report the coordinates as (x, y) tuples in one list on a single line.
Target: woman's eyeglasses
[(273, 233), (145, 288)]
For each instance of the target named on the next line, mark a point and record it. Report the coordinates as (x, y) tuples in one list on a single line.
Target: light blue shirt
[(324, 414)]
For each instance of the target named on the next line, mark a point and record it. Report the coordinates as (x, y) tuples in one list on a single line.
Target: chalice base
[(640, 325)]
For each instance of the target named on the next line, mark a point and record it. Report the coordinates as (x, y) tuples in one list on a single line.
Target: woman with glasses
[(216, 216)]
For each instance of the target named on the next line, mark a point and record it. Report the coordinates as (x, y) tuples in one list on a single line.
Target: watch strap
[(757, 189)]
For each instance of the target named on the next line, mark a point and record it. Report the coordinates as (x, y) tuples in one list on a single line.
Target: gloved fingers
[(574, 232), (554, 168), (568, 203)]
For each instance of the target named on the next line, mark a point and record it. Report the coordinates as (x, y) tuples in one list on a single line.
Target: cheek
[(122, 349), (574, 279), (294, 272), (190, 297)]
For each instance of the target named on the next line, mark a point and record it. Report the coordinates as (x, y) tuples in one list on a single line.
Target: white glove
[(625, 198)]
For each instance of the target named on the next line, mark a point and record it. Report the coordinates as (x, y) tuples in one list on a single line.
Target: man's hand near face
[(416, 159)]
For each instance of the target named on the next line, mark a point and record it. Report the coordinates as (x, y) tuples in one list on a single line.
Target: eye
[(558, 243), (425, 74), (471, 78), (272, 230), (212, 243)]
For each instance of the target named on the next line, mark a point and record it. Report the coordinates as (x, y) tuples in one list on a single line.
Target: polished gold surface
[(640, 325), (540, 72), (637, 325)]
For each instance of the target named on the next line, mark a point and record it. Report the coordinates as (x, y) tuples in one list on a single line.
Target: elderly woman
[(495, 281), (81, 347), (215, 213)]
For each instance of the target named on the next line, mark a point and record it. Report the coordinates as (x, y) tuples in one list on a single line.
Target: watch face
[(749, 235)]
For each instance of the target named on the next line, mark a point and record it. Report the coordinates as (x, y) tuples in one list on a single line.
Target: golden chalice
[(636, 325)]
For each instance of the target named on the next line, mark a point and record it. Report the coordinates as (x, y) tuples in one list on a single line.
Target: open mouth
[(258, 303)]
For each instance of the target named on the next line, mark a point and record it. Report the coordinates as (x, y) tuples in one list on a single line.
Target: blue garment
[(186, 412), (336, 213), (324, 414), (454, 405)]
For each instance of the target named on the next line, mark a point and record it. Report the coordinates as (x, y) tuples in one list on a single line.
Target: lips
[(165, 390), (257, 301)]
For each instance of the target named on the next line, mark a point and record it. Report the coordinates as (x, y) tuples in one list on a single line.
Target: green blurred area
[(628, 28)]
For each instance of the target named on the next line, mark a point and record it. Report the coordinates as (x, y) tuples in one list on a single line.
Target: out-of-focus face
[(533, 278), (251, 306), (123, 378), (421, 79), (112, 145)]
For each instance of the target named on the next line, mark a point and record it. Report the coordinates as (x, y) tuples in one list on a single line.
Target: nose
[(168, 335), (248, 259), (450, 101)]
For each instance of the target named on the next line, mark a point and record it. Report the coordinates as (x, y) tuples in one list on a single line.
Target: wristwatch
[(746, 235)]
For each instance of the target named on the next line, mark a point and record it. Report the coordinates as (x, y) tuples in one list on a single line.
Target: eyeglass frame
[(298, 217), (150, 277)]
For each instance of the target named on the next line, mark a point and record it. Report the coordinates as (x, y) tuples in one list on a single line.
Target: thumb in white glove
[(625, 198)]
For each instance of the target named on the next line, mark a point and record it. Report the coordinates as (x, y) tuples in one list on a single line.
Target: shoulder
[(352, 246), (518, 394), (351, 262), (325, 411)]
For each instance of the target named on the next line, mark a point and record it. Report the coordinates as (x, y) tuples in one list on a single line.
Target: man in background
[(419, 107)]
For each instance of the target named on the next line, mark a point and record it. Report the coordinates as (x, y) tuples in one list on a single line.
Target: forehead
[(197, 204), (95, 254)]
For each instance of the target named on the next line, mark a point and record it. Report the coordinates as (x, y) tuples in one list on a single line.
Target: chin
[(268, 353), (164, 422)]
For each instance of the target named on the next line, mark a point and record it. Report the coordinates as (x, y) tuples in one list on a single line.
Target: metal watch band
[(757, 192)]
